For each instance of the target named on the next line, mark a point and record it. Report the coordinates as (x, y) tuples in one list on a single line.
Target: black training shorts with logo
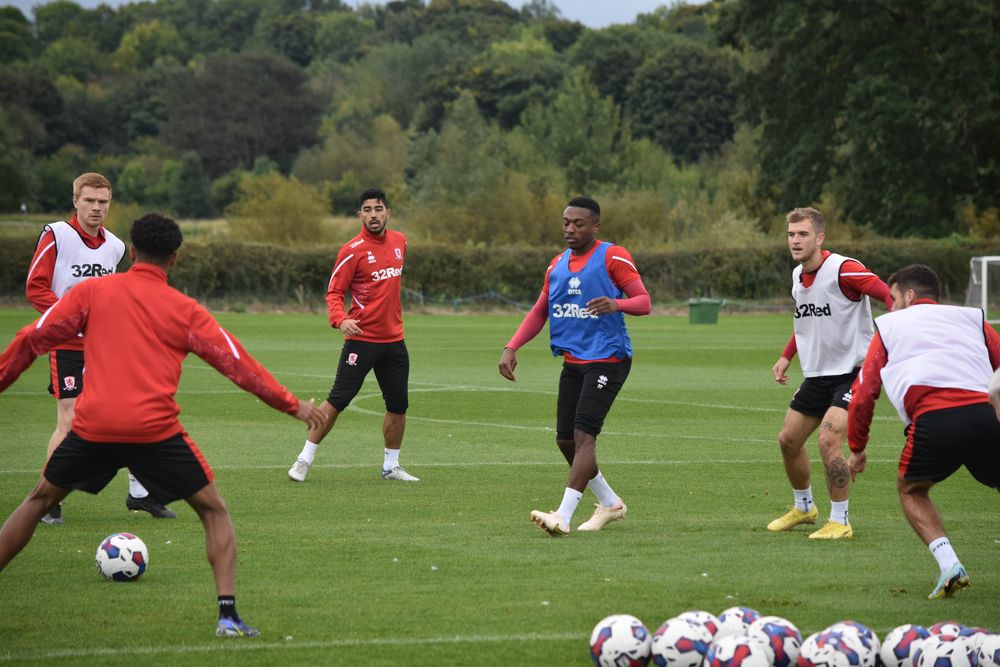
[(170, 469), (586, 392), (391, 363), (942, 441), (65, 373), (818, 394)]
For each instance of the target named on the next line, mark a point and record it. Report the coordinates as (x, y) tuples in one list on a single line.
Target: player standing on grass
[(832, 328), (370, 267), (936, 363), (68, 253), (586, 290), (139, 330)]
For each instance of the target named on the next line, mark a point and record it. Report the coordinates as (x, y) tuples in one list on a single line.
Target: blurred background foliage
[(696, 126)]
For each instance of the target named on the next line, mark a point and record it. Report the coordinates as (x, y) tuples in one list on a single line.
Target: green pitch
[(348, 569)]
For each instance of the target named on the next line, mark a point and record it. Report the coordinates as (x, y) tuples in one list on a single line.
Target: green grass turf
[(347, 569)]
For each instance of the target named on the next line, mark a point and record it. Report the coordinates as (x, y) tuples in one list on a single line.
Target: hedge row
[(230, 270)]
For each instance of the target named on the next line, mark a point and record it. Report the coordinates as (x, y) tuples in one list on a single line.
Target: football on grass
[(122, 557)]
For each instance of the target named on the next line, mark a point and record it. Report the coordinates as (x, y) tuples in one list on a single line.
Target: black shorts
[(171, 469), (818, 394), (65, 373), (391, 363), (586, 392), (942, 441)]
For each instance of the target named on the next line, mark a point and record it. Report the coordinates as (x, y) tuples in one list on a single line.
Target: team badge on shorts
[(352, 359), (69, 383)]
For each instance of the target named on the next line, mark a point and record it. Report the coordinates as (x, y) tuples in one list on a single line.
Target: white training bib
[(832, 332), (76, 262), (932, 345)]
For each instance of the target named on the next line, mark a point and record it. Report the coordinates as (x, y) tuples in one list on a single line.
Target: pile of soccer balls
[(742, 637)]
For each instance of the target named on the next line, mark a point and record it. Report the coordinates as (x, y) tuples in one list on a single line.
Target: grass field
[(347, 569)]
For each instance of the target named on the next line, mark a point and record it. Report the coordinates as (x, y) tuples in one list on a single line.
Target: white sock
[(943, 553), (571, 498), (308, 452), (838, 512), (803, 498), (602, 490), (391, 459), (135, 488)]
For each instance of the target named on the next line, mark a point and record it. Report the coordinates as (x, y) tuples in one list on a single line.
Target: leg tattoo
[(838, 474)]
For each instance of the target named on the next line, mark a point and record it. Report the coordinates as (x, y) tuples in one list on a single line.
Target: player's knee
[(788, 444)]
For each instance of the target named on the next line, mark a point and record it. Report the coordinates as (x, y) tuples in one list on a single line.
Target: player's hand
[(310, 414), (350, 327), (508, 362), (601, 305), (779, 370), (856, 462)]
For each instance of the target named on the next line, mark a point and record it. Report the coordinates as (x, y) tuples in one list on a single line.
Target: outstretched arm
[(58, 324), (224, 352)]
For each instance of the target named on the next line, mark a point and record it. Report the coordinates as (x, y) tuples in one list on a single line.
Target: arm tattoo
[(838, 474)]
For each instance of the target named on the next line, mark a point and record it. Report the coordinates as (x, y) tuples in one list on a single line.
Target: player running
[(139, 330), (370, 267), (832, 328), (936, 363), (66, 254), (586, 290)]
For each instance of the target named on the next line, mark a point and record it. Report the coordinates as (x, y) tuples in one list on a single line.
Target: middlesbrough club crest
[(69, 383), (399, 253), (352, 359)]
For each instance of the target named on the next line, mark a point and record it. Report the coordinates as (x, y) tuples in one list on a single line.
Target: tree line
[(695, 125)]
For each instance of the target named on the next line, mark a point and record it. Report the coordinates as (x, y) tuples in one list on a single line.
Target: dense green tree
[(581, 130), (271, 208), (610, 57), (343, 36), (144, 43), (54, 20), (54, 177), (16, 40), (512, 75), (891, 106), (73, 56), (17, 182), (237, 107), (291, 35), (190, 195), (32, 104), (683, 98)]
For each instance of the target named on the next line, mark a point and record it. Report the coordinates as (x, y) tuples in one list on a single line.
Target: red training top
[(855, 281), (370, 268), (624, 275), (38, 287), (139, 330)]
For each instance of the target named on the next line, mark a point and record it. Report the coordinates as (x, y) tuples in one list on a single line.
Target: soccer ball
[(680, 643), (949, 630), (122, 557), (900, 644), (831, 649), (780, 635), (736, 621), (869, 640), (620, 640), (936, 651), (738, 651), (989, 651), (705, 618)]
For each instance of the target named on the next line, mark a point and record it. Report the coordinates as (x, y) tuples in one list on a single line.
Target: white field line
[(436, 387), (241, 646)]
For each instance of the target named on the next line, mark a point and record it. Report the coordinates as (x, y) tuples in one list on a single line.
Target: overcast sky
[(593, 13)]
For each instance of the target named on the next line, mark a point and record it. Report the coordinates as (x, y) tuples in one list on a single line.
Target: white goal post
[(984, 286)]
